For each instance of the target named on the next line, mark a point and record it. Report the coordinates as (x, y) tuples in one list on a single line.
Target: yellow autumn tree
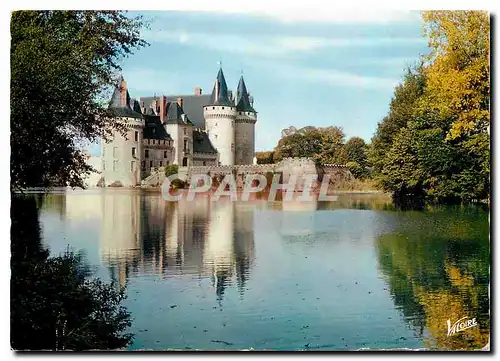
[(458, 75)]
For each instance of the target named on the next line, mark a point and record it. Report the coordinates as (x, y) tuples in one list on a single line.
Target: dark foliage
[(62, 66)]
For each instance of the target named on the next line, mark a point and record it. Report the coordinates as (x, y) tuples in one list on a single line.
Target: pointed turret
[(244, 104), (120, 102), (220, 94)]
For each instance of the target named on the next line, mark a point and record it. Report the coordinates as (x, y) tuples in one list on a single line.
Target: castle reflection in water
[(143, 235)]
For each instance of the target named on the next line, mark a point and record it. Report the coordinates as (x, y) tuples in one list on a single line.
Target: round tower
[(220, 116), (246, 117), (121, 156)]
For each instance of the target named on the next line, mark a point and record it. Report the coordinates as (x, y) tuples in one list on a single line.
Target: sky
[(302, 68)]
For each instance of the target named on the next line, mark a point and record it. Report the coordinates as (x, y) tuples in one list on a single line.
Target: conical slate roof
[(244, 104), (176, 115), (118, 107), (220, 94)]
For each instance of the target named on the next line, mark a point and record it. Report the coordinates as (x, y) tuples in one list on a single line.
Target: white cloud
[(312, 11), (332, 77), (269, 45)]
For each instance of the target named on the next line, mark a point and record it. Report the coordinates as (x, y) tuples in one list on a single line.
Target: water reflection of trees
[(437, 267), (143, 234)]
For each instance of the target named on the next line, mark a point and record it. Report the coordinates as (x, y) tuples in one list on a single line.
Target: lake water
[(343, 275)]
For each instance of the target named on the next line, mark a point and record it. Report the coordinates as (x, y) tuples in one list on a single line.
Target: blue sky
[(302, 69)]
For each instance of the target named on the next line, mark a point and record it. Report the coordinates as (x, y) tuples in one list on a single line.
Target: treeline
[(325, 146), (434, 143)]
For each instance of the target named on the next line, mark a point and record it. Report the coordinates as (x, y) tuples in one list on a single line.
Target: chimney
[(197, 91), (123, 93), (180, 102), (163, 106)]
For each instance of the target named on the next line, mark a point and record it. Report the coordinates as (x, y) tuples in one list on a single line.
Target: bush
[(171, 169)]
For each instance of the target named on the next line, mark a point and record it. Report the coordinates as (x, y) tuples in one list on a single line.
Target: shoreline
[(159, 189)]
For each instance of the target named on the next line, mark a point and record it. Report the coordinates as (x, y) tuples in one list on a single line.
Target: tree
[(458, 79), (307, 144), (434, 143), (324, 145), (356, 149), (401, 111), (62, 66), (458, 83), (265, 157), (332, 151)]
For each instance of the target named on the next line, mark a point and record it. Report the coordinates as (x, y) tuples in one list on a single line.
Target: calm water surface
[(226, 275)]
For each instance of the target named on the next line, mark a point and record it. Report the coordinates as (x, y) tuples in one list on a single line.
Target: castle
[(187, 130)]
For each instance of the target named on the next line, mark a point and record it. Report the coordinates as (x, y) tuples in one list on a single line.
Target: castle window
[(213, 108), (185, 131), (150, 164), (240, 113), (222, 108), (148, 141), (146, 153), (164, 154), (133, 152), (161, 163), (204, 163), (136, 136), (154, 142), (115, 165), (167, 162), (132, 166)]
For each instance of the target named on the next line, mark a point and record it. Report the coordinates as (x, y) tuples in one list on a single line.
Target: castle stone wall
[(287, 167), (121, 156)]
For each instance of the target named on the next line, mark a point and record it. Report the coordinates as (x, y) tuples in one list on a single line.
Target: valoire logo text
[(462, 324)]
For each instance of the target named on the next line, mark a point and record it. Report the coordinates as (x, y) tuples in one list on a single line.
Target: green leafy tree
[(357, 152), (63, 64), (324, 145), (401, 111), (307, 144), (356, 149), (333, 151)]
